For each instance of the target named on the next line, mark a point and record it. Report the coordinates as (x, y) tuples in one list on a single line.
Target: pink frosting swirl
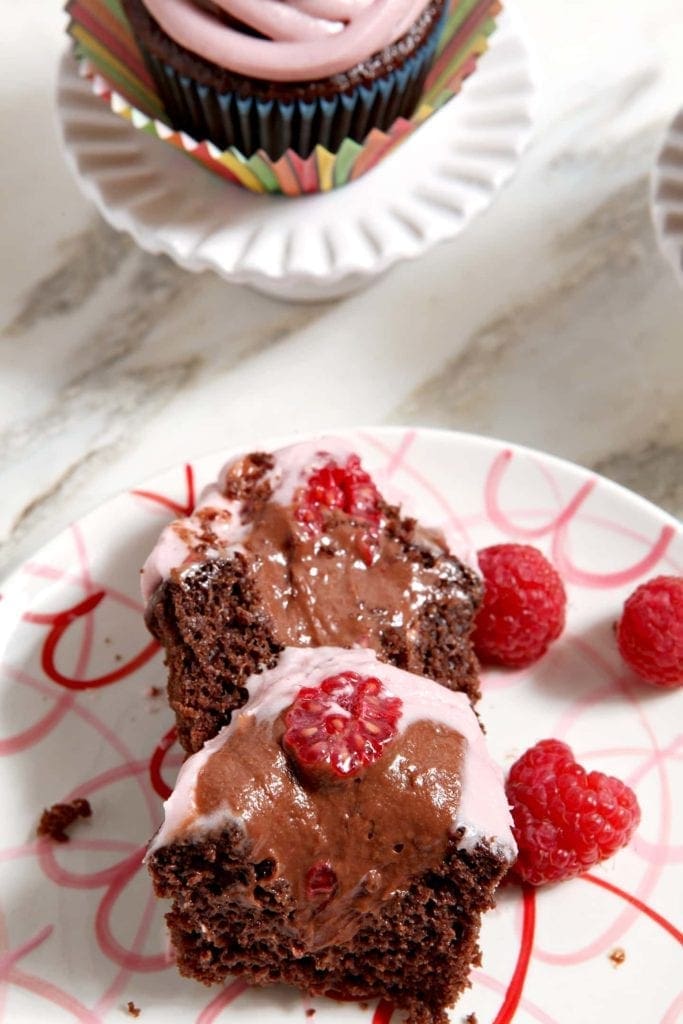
[(299, 40)]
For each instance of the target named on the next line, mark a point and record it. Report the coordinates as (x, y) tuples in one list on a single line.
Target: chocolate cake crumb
[(471, 1018), (310, 1012), (247, 480), (55, 820), (132, 1009), (154, 691), (617, 956)]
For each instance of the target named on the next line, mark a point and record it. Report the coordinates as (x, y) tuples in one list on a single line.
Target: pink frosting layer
[(291, 469), (483, 811), (303, 39)]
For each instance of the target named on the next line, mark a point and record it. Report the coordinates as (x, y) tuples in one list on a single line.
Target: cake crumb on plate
[(55, 820), (617, 956), (132, 1009)]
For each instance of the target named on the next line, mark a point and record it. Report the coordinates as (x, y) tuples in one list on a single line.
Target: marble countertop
[(552, 321)]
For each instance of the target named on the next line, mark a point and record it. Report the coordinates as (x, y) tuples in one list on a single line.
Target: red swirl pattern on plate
[(75, 668)]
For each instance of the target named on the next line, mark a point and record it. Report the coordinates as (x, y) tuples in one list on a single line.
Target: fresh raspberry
[(348, 488), (650, 632), (524, 605), (336, 729), (321, 882), (565, 818)]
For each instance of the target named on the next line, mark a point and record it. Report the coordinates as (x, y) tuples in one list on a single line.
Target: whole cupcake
[(275, 75)]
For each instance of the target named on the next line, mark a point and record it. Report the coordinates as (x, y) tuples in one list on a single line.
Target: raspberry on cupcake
[(336, 729)]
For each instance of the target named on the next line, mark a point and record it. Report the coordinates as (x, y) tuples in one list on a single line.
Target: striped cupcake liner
[(145, 93), (248, 124)]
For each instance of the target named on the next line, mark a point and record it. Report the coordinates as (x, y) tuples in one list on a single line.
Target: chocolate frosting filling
[(376, 831), (317, 589)]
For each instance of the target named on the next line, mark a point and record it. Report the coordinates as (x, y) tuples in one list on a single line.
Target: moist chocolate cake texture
[(263, 564), (365, 881)]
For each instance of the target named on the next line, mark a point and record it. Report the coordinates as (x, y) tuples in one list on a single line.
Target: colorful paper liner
[(111, 59)]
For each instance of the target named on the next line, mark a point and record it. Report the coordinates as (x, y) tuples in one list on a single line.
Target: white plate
[(320, 246), (667, 196), (80, 932)]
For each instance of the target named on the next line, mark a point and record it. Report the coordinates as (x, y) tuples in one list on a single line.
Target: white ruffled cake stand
[(319, 246)]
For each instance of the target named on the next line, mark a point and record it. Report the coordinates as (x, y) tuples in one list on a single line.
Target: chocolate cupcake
[(281, 75), (298, 548)]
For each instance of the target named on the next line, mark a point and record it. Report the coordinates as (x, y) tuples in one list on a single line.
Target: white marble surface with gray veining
[(553, 321)]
